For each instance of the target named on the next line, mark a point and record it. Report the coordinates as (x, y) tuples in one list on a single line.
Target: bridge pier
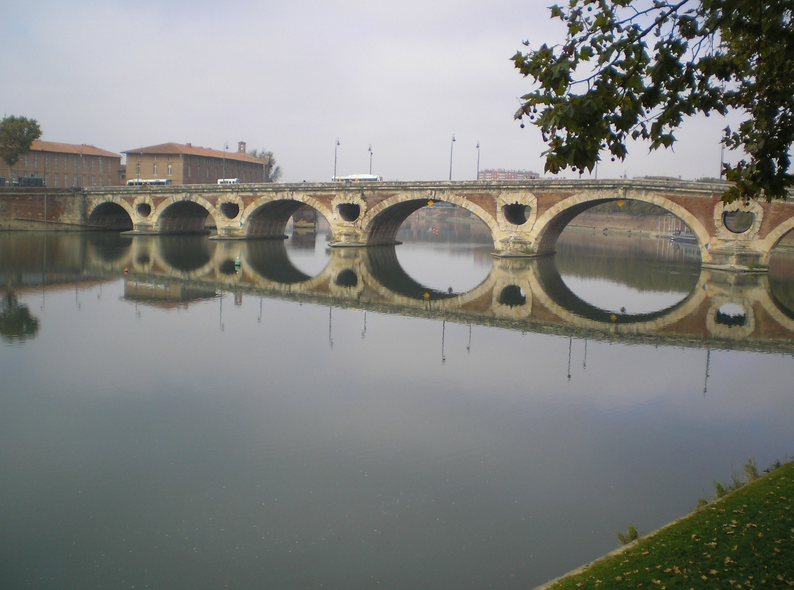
[(736, 257)]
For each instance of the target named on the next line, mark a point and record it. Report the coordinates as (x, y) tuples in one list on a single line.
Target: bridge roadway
[(525, 217), (519, 294)]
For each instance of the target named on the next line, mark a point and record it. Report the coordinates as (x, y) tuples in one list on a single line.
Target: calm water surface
[(157, 431)]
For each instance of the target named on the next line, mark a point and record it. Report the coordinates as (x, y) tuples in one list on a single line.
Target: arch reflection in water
[(517, 294), (623, 279)]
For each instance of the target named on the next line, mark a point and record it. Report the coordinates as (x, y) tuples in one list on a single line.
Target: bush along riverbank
[(745, 539)]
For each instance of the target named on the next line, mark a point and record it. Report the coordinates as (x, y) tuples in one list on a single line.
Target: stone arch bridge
[(525, 217)]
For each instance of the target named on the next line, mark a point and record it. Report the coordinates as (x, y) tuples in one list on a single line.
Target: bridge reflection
[(715, 309), (519, 294)]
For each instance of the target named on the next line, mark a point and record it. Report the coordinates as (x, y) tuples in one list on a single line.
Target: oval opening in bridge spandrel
[(230, 210), (731, 315), (346, 278), (738, 222), (516, 213), (349, 212), (512, 296)]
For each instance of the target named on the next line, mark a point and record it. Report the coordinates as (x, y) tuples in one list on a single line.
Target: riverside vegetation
[(743, 539)]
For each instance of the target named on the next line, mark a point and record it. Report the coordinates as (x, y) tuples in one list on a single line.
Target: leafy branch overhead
[(633, 69)]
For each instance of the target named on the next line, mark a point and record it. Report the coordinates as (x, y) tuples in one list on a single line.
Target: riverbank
[(744, 540)]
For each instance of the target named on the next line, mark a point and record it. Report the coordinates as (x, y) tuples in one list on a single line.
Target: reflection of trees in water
[(645, 265), (17, 324)]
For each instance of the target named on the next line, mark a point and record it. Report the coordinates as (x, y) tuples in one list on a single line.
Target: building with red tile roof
[(68, 165), (189, 164)]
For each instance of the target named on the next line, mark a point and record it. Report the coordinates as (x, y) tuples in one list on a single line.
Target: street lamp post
[(478, 160), (225, 147), (451, 146), (336, 147), (369, 149)]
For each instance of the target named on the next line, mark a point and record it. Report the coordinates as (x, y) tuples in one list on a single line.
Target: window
[(101, 180), (189, 171), (36, 161), (56, 165), (93, 180), (101, 165), (198, 171), (74, 165), (93, 164), (154, 166), (84, 179), (55, 180), (25, 161), (83, 159), (138, 168), (46, 160), (170, 169)]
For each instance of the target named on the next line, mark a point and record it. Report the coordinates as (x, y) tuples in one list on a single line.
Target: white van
[(228, 181)]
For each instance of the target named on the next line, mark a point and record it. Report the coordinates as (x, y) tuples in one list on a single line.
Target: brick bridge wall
[(42, 208)]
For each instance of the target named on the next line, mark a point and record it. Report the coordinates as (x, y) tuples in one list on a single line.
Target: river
[(180, 413)]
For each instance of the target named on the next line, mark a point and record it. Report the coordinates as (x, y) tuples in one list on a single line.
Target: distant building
[(187, 164), (67, 165), (499, 174)]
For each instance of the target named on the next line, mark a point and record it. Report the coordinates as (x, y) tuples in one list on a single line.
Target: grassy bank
[(743, 540)]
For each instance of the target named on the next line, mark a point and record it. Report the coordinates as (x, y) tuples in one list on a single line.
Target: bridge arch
[(114, 213), (381, 223), (184, 214), (267, 217), (773, 238), (553, 221)]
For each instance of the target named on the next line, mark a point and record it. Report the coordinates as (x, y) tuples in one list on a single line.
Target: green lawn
[(744, 540)]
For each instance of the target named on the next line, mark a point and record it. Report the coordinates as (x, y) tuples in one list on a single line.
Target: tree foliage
[(272, 169), (16, 136), (633, 69)]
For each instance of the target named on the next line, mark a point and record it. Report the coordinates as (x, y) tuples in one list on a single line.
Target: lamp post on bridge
[(336, 147), (225, 147), (478, 160), (369, 149), (451, 146)]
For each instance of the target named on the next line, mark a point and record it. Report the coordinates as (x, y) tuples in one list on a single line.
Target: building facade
[(188, 164), (499, 174), (62, 165)]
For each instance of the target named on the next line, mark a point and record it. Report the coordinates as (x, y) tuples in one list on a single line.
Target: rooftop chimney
[(241, 147)]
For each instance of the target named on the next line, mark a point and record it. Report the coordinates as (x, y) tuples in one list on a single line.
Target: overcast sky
[(293, 76)]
